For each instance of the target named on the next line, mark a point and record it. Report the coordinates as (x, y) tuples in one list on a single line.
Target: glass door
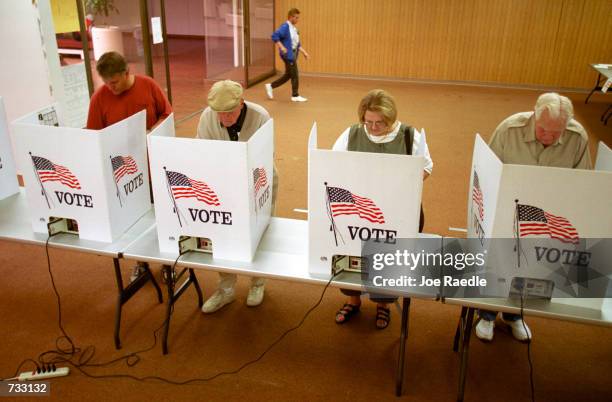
[(158, 43), (260, 48), (224, 40)]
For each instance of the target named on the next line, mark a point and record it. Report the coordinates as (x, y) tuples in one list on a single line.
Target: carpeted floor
[(321, 360)]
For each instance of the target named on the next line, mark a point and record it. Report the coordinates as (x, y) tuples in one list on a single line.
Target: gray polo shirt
[(514, 141)]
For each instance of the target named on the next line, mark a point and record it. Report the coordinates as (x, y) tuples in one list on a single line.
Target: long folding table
[(282, 254), (531, 307)]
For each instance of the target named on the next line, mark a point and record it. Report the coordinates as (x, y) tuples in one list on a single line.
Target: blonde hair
[(558, 106), (379, 101)]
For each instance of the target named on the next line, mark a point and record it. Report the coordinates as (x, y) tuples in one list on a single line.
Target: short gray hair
[(558, 106)]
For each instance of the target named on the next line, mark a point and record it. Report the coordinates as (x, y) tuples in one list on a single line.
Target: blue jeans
[(489, 315)]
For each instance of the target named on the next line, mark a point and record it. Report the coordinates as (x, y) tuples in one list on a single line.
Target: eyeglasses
[(377, 124)]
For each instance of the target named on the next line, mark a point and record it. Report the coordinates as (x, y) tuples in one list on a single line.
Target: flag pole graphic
[(330, 214), (176, 210), (115, 180), (255, 194), (517, 233), (42, 188)]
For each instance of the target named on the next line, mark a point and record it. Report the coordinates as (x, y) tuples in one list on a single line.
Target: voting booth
[(547, 223), (8, 175), (210, 195), (604, 158), (94, 183), (358, 196)]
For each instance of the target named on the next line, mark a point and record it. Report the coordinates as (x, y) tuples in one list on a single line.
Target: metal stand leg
[(399, 380), (125, 294), (596, 88), (174, 295), (466, 332)]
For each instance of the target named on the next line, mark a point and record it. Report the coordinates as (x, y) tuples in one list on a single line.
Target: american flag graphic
[(123, 165), (536, 221), (184, 187), (49, 171), (477, 196), (343, 202), (259, 178)]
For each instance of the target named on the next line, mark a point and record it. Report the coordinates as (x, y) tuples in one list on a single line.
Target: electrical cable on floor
[(84, 357), (212, 377), (528, 348)]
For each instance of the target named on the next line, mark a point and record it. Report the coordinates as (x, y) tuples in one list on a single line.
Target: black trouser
[(291, 71)]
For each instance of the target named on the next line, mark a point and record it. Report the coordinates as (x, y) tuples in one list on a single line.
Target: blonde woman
[(379, 131)]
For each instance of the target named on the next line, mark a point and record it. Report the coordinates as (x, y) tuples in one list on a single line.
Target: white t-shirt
[(295, 37), (419, 143)]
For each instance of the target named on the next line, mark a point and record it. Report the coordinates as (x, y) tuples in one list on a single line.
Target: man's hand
[(282, 48), (305, 53)]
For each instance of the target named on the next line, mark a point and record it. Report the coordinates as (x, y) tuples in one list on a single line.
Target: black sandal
[(346, 312), (383, 314)]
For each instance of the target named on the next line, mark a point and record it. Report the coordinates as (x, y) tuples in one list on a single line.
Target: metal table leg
[(458, 331), (125, 294), (174, 295), (466, 332), (399, 380)]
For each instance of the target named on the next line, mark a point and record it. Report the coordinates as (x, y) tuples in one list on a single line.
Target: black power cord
[(531, 382), (85, 356), (67, 355)]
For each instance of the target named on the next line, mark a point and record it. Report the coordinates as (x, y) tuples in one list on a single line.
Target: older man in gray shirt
[(229, 117), (547, 136)]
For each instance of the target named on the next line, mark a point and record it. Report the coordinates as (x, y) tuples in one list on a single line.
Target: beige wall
[(546, 43)]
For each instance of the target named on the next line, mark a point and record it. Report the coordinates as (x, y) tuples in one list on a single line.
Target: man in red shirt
[(124, 94)]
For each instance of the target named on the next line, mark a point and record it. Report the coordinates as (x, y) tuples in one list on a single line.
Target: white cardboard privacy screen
[(206, 189), (8, 175), (604, 158), (353, 196), (485, 181), (98, 178), (582, 197)]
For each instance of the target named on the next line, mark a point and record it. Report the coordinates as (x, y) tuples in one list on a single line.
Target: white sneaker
[(269, 91), (520, 330), (136, 272), (219, 299), (484, 330), (298, 99), (255, 297)]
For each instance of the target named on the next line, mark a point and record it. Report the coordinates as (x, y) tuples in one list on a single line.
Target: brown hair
[(380, 101), (292, 12), (111, 63)]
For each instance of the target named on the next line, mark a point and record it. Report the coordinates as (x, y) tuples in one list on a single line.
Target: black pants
[(291, 72)]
